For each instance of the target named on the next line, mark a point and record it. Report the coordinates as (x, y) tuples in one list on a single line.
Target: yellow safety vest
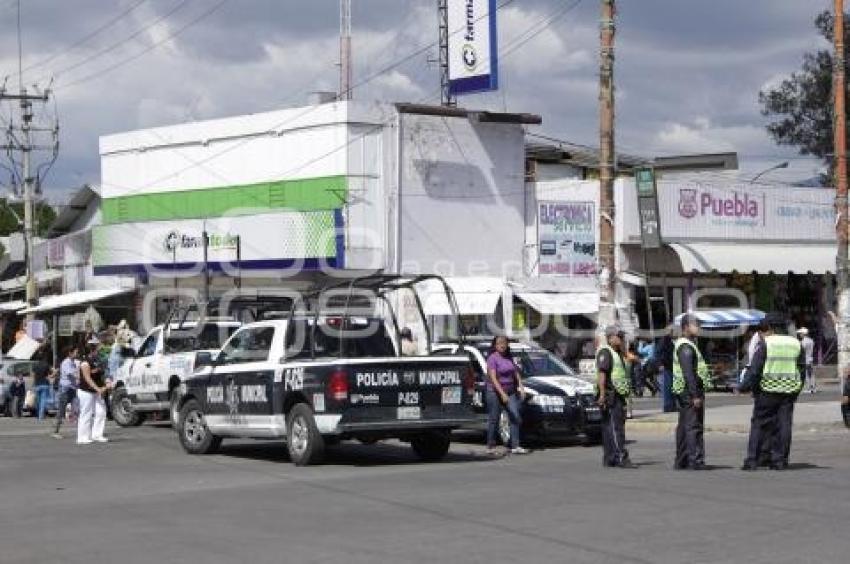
[(703, 372), (619, 376), (780, 375)]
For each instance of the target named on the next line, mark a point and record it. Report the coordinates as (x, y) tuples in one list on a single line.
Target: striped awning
[(725, 317)]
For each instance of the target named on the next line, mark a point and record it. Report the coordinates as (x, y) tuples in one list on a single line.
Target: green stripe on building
[(311, 194)]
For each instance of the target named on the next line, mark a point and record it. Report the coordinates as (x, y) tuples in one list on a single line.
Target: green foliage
[(801, 107), (44, 217)]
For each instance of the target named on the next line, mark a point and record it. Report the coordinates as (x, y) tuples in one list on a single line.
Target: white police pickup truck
[(317, 378), (150, 381)]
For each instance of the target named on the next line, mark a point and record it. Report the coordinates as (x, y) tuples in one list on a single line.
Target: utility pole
[(840, 149), (446, 98), (607, 168), (345, 70), (30, 181)]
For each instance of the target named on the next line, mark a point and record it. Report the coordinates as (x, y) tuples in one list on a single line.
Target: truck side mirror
[(203, 359)]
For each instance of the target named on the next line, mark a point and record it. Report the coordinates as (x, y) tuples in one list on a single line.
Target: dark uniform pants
[(771, 425), (690, 445), (614, 430)]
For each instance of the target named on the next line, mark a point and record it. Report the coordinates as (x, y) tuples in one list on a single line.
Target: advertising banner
[(304, 240), (567, 239), (473, 49)]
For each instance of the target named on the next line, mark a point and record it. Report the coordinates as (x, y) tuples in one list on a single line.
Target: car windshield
[(542, 363)]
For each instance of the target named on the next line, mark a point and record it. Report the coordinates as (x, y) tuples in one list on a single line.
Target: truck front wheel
[(122, 409), (303, 440), (174, 408), (195, 437), (431, 446)]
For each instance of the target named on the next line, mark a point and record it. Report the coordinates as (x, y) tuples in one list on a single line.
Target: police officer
[(774, 378), (691, 379), (613, 391)]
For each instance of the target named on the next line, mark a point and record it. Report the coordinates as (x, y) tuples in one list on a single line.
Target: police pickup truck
[(149, 380), (318, 378)]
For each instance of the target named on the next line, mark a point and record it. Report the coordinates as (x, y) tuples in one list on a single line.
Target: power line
[(120, 43), (84, 39)]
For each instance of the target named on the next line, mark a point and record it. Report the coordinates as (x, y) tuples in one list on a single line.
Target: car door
[(239, 396), (143, 366)]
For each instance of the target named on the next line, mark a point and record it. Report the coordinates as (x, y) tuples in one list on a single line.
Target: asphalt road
[(140, 499)]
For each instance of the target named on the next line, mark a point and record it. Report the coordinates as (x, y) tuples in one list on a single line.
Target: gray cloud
[(688, 72)]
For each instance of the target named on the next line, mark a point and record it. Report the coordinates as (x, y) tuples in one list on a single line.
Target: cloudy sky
[(688, 71)]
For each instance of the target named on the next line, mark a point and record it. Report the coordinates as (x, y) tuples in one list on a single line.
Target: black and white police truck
[(330, 369)]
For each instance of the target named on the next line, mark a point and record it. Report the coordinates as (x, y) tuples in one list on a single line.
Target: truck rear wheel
[(195, 437), (432, 445), (122, 409), (303, 440)]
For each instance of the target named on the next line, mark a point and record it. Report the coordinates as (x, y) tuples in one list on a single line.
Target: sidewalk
[(808, 416)]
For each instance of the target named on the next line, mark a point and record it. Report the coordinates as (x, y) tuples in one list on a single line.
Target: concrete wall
[(462, 204)]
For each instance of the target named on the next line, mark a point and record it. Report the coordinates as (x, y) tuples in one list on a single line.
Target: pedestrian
[(664, 356), (504, 392), (691, 379), (408, 345), (68, 382), (41, 373), (17, 395), (91, 392), (612, 393), (774, 377), (809, 369), (757, 337)]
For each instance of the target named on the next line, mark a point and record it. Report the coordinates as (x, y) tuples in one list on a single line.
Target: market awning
[(74, 299), (474, 296), (725, 317), (8, 307), (761, 258), (41, 277), (562, 303)]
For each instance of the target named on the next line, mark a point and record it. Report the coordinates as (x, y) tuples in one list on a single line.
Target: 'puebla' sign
[(714, 211)]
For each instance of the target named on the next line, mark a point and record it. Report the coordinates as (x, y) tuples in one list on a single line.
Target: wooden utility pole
[(840, 129), (607, 169)]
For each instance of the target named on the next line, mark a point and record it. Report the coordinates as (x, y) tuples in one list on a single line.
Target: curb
[(648, 426)]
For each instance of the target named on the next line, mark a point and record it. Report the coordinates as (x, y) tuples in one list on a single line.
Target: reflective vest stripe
[(703, 372), (619, 377)]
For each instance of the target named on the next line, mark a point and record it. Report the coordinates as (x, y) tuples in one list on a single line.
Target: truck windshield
[(187, 340)]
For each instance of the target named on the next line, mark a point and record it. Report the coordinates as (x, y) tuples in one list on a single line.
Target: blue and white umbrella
[(725, 317)]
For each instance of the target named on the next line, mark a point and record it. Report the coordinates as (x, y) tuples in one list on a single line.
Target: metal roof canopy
[(69, 213), (480, 116), (718, 318)]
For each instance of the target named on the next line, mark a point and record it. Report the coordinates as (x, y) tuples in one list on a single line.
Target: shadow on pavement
[(347, 454)]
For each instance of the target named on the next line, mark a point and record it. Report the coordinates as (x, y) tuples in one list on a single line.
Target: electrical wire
[(116, 45), (84, 39)]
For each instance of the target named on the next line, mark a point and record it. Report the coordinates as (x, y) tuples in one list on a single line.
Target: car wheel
[(123, 411), (593, 437), (431, 446), (174, 408), (303, 440), (195, 437)]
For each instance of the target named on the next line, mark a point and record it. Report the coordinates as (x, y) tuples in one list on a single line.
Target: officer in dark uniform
[(691, 379), (774, 377), (613, 388)]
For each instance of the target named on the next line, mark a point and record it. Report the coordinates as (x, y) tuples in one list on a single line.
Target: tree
[(801, 107), (44, 217)]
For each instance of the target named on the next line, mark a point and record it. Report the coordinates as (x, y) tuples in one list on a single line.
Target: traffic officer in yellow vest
[(691, 379), (774, 377), (612, 391)]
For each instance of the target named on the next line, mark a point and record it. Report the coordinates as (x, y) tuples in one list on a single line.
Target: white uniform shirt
[(809, 346)]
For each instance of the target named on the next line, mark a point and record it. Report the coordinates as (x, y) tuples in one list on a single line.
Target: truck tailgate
[(409, 390)]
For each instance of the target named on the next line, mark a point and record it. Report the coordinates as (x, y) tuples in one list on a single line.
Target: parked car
[(558, 402), (10, 368)]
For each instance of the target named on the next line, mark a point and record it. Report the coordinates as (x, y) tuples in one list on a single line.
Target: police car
[(319, 376), (558, 403)]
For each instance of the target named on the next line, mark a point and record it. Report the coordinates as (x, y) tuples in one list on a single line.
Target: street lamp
[(775, 167)]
